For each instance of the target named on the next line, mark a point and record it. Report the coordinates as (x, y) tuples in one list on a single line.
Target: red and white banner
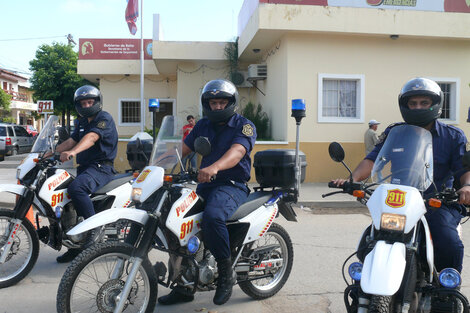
[(132, 13), (113, 49), (462, 6)]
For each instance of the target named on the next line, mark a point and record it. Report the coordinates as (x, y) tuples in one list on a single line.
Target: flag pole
[(142, 103)]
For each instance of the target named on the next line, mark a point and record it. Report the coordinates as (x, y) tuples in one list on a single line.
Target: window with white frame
[(340, 98), (129, 112), (450, 104)]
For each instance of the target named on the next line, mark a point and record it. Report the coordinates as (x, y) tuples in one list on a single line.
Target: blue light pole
[(298, 112)]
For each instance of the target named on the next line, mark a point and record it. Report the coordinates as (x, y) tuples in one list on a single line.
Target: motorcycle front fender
[(109, 216), (383, 269), (13, 188)]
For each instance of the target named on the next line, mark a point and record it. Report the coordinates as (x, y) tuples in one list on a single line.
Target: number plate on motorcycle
[(395, 198)]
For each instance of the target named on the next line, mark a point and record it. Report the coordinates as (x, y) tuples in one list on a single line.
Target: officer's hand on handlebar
[(206, 174), (339, 182), (464, 195), (66, 155)]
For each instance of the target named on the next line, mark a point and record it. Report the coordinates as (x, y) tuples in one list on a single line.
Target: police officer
[(94, 144), (420, 102), (232, 138)]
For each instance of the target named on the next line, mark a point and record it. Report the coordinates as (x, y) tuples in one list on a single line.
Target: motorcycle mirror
[(202, 146), (466, 160), (336, 152), (63, 134)]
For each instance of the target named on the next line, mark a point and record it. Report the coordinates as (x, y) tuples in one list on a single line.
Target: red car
[(31, 130)]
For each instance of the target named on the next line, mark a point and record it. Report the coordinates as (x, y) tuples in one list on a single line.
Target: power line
[(17, 39)]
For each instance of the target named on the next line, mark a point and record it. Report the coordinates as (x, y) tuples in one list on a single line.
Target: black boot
[(69, 255), (177, 295), (224, 282)]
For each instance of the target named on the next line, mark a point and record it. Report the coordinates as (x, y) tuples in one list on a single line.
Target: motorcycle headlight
[(18, 173), (395, 222), (135, 194)]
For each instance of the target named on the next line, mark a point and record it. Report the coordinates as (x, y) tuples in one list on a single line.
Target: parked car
[(31, 130), (3, 150), (17, 139)]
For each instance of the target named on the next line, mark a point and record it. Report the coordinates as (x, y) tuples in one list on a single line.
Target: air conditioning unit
[(257, 72), (240, 79)]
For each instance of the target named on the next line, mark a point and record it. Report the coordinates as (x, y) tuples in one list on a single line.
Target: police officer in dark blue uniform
[(420, 103), (94, 144), (232, 138)]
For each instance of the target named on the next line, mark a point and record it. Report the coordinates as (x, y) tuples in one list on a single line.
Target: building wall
[(386, 65)]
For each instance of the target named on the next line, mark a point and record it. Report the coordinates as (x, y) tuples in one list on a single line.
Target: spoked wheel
[(97, 276), (23, 253), (276, 265)]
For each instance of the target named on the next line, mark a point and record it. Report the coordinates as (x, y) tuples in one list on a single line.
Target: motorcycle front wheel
[(23, 252), (380, 304), (282, 257), (97, 276)]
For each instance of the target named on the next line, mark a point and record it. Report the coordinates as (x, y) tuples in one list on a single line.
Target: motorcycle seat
[(118, 180), (254, 201)]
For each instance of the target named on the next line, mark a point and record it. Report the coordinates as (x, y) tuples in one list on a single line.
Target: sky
[(27, 24)]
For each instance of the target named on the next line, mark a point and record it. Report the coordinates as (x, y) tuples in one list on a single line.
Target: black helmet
[(219, 89), (420, 87), (88, 92)]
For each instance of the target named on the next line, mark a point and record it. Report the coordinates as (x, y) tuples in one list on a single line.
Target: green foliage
[(5, 100), (150, 131), (55, 76), (231, 53), (259, 118), (8, 119)]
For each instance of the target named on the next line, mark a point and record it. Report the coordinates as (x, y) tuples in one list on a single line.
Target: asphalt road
[(322, 238)]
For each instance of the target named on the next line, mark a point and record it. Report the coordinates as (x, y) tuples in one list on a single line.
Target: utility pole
[(70, 39)]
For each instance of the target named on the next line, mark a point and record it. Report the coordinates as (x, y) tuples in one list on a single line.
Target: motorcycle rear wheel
[(87, 286), (23, 253), (268, 287)]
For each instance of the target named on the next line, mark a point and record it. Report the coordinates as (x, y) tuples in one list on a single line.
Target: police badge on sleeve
[(101, 125), (247, 130)]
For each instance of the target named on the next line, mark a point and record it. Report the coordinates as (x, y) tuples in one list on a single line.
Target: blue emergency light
[(298, 109), (154, 104)]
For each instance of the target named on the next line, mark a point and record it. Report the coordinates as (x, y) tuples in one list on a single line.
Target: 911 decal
[(57, 198), (186, 228)]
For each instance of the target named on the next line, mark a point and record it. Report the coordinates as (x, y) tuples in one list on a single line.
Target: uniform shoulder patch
[(247, 130), (101, 125)]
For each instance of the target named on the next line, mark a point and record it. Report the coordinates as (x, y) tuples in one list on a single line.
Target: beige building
[(22, 105), (347, 59)]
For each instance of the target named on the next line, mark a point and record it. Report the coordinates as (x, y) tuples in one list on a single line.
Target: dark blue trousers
[(448, 247), (88, 180), (221, 201)]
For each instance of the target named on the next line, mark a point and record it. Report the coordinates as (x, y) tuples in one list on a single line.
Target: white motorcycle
[(396, 272), (43, 186), (119, 276)]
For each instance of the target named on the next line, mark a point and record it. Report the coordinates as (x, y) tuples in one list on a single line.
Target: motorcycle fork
[(138, 255), (21, 208)]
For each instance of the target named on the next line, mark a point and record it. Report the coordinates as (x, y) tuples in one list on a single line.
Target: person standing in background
[(186, 130), (370, 136)]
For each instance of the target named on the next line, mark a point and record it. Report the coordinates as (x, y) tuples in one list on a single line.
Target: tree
[(259, 118), (5, 100), (55, 77)]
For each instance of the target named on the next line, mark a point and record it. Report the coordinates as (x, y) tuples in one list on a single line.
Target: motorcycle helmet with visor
[(420, 87), (88, 92), (219, 89)]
